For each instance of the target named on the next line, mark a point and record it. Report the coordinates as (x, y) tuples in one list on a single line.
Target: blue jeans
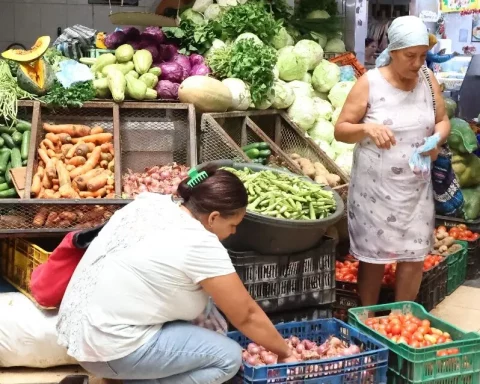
[(179, 353)]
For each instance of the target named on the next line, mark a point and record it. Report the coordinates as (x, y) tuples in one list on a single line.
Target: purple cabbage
[(183, 61), (173, 72), (133, 34), (196, 59), (200, 70), (167, 90), (154, 33), (136, 45), (167, 51), (151, 48), (115, 39)]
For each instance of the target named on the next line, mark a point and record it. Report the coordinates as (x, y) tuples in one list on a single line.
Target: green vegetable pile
[(193, 37), (247, 60), (285, 197), (74, 96)]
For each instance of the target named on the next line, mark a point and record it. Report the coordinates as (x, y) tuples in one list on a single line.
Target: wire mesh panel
[(24, 217), (156, 136)]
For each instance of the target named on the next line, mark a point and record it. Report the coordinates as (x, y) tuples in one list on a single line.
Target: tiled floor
[(462, 309)]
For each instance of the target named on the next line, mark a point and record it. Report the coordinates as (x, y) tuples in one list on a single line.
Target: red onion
[(335, 341), (251, 360), (245, 355), (300, 348), (270, 359), (253, 349), (295, 340)]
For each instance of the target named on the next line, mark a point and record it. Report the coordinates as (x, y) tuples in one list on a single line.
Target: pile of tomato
[(347, 270), (412, 331), (459, 232)]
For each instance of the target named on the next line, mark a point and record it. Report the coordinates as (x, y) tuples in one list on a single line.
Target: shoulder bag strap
[(426, 75)]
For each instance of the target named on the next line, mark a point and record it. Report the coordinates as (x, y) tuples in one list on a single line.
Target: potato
[(307, 167), (443, 249), (321, 180), (332, 179), (295, 156), (441, 235), (454, 248)]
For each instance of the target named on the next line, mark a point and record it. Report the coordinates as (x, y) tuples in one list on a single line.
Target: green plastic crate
[(96, 52), (408, 365), (457, 268)]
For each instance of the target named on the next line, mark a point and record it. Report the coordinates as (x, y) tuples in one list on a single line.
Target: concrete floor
[(462, 308)]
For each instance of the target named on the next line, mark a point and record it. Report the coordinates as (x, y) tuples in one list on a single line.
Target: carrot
[(55, 187), (106, 156), (41, 195), (57, 194), (36, 185), (104, 164), (70, 216), (91, 163), (43, 155), (111, 166), (98, 138), (51, 153), (48, 194), (76, 161), (41, 164), (71, 129), (46, 182), (40, 217), (81, 150), (67, 192), (96, 129), (52, 219), (52, 137), (110, 196), (50, 168), (63, 175), (55, 181), (99, 193), (66, 148), (64, 138), (72, 150), (82, 180), (97, 182), (108, 148), (49, 144), (91, 146), (70, 167)]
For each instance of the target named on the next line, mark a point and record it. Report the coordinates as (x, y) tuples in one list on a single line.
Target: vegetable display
[(83, 216), (302, 350), (285, 196), (74, 161), (158, 179), (411, 330), (258, 152), (457, 232), (444, 244), (316, 171)]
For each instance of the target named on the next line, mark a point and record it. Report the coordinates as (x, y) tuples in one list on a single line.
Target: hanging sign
[(458, 5)]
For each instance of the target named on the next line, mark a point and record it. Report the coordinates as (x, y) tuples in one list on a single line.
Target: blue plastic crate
[(369, 367)]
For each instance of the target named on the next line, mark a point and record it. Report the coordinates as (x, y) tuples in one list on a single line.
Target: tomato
[(442, 228), (441, 339), (475, 236), (418, 337), (442, 353), (415, 344), (468, 233), (394, 339), (447, 335), (402, 339), (462, 226), (396, 329), (454, 232), (388, 328), (384, 321), (453, 351), (406, 334), (426, 323), (411, 328), (382, 332), (423, 330)]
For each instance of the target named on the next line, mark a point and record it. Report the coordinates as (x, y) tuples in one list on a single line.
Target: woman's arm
[(347, 128), (442, 123), (230, 295), (436, 58)]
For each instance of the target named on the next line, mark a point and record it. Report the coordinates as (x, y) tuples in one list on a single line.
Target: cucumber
[(25, 144), (2, 142), (8, 177), (4, 157), (8, 193), (8, 140), (2, 179), (4, 186), (4, 129), (265, 153), (259, 146), (17, 138), (16, 158), (23, 126), (252, 153), (257, 161)]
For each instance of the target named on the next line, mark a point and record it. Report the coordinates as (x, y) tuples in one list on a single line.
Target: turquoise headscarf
[(404, 32)]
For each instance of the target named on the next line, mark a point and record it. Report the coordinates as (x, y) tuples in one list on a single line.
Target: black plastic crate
[(433, 288), (286, 282)]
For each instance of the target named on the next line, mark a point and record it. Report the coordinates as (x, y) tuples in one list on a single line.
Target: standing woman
[(128, 308), (371, 47), (388, 114)]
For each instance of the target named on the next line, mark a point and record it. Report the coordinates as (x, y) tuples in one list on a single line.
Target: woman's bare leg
[(369, 282), (407, 280)]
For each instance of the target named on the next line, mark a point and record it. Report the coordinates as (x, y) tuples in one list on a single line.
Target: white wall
[(22, 21), (453, 23)]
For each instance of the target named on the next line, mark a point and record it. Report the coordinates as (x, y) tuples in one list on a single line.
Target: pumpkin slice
[(36, 77), (28, 55)]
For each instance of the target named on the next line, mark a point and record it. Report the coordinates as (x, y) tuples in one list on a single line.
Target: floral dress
[(391, 210)]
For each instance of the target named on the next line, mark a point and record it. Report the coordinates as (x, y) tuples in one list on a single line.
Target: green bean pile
[(285, 197), (10, 92)]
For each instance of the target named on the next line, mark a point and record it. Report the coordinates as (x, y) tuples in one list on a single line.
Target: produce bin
[(433, 288), (19, 258), (156, 134), (409, 365), (223, 135), (279, 283), (457, 268), (268, 235), (368, 367)]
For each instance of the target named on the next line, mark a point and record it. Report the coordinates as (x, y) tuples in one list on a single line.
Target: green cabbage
[(311, 51), (248, 35), (335, 45), (320, 38), (318, 14), (345, 161), (193, 16), (307, 78), (323, 130), (302, 112), (283, 95), (325, 76), (325, 147), (300, 88), (241, 98), (201, 5), (321, 95), (323, 107), (213, 12), (282, 39), (290, 65), (340, 147), (338, 94)]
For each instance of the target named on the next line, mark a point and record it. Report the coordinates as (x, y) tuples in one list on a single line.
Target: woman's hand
[(289, 359), (433, 153), (381, 135)]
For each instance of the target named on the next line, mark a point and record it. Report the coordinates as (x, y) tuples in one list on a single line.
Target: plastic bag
[(28, 335), (347, 73), (72, 72), (212, 319), (420, 164), (467, 169), (471, 207), (461, 139)]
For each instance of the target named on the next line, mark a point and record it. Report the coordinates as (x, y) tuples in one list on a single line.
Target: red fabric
[(49, 280)]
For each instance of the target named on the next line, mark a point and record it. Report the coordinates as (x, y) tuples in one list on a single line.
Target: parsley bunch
[(249, 61), (74, 96), (193, 37)]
